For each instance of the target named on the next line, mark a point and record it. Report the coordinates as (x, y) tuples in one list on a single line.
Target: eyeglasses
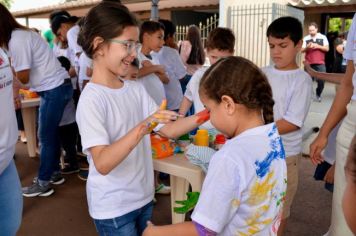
[(130, 45)]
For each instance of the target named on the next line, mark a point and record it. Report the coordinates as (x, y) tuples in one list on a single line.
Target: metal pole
[(154, 10)]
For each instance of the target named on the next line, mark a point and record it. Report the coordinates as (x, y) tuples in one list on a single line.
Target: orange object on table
[(161, 147), (27, 94)]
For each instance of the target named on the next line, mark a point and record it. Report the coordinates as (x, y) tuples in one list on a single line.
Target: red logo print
[(1, 61)]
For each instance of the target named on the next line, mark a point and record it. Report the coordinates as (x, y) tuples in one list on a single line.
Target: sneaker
[(69, 170), (56, 179), (163, 189), (318, 99), (83, 174), (37, 190)]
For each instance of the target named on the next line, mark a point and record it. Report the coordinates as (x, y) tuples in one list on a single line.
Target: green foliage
[(7, 3), (335, 25)]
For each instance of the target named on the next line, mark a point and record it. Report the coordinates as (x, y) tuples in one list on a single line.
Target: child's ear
[(299, 45), (97, 45), (228, 104)]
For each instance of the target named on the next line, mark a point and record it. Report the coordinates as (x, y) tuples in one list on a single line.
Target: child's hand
[(316, 148), (329, 176), (146, 232), (146, 63)]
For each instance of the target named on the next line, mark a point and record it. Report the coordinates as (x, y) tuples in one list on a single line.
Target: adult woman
[(34, 63), (192, 53), (10, 187), (344, 103)]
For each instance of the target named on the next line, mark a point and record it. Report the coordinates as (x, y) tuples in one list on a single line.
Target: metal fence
[(210, 24), (250, 22)]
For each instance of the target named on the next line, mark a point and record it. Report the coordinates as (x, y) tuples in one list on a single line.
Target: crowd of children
[(120, 71)]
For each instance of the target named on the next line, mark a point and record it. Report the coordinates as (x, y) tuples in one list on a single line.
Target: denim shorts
[(130, 224)]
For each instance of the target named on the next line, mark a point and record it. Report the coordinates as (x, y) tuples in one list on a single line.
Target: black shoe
[(69, 170), (83, 175)]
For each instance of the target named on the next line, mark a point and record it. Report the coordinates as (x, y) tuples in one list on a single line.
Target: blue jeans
[(51, 110), (131, 224), (320, 87), (10, 201)]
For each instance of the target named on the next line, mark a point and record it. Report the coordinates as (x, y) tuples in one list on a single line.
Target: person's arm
[(147, 68), (335, 114), (84, 83), (72, 72), (185, 50), (15, 88), (285, 127), (185, 106), (182, 126), (340, 48), (324, 48), (185, 228), (329, 77), (23, 76), (89, 72), (107, 157)]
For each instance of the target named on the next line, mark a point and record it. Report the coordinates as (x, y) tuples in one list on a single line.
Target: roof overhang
[(81, 7), (320, 6)]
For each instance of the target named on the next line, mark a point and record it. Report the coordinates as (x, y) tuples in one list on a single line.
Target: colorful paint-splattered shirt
[(244, 189)]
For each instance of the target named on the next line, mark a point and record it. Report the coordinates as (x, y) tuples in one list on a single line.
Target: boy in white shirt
[(170, 59), (292, 90), (220, 43), (151, 74)]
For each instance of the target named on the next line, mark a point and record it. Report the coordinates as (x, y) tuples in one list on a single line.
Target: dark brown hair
[(106, 20), (313, 24), (7, 24), (221, 39), (350, 166), (241, 80), (197, 55), (150, 27)]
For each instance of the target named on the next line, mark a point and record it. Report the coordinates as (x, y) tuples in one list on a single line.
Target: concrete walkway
[(65, 212)]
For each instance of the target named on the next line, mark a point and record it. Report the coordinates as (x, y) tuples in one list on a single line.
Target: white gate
[(250, 22)]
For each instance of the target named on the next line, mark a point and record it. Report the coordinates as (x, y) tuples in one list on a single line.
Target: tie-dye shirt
[(244, 189)]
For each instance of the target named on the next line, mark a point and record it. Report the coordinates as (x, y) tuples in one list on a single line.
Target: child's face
[(215, 54), (116, 56), (131, 73), (155, 41), (283, 52), (218, 114)]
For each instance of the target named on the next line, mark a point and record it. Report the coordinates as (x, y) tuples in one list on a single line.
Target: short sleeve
[(20, 50), (300, 100), (72, 36), (180, 70), (220, 196), (304, 45), (350, 44), (325, 39), (90, 118)]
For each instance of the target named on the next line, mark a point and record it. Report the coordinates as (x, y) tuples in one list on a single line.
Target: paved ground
[(65, 212)]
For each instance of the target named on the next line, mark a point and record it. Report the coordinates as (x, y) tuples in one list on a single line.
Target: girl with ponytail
[(244, 189)]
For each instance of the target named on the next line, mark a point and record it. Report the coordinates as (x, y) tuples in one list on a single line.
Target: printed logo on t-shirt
[(317, 41)]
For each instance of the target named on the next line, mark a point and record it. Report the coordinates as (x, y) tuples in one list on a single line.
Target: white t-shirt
[(72, 38), (350, 52), (245, 185), (192, 94), (84, 63), (151, 82), (104, 115), (175, 69), (317, 36), (28, 50), (8, 124), (292, 91), (65, 52)]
